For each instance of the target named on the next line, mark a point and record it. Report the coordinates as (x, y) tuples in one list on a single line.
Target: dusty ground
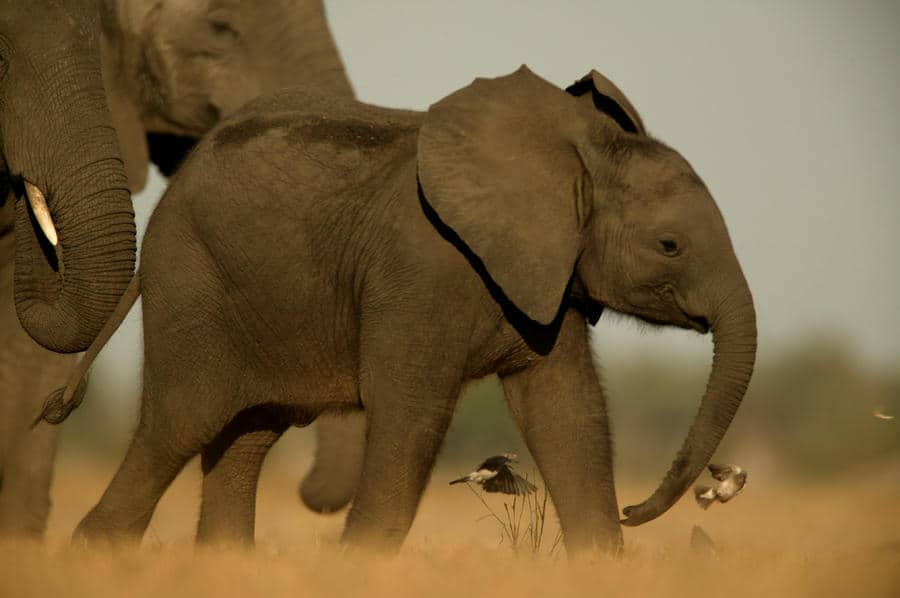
[(773, 540)]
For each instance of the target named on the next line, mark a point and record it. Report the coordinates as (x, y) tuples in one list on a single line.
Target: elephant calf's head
[(545, 186)]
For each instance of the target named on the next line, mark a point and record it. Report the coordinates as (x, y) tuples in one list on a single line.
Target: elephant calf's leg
[(178, 419), (559, 406), (151, 464), (401, 447), (408, 394), (340, 445), (231, 466)]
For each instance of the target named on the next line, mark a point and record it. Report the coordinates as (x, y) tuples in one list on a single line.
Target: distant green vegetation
[(808, 412)]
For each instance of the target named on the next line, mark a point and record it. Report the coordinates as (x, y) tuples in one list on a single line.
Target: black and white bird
[(731, 479), (495, 475)]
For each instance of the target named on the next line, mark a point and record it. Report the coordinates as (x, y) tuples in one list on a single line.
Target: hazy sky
[(789, 111)]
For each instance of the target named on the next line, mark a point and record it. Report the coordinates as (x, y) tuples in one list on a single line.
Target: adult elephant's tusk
[(41, 212)]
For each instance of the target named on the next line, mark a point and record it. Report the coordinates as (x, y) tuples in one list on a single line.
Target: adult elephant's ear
[(608, 99), (122, 102), (130, 135), (499, 163)]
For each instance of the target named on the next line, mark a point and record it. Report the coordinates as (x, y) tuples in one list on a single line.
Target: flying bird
[(495, 475), (731, 479), (880, 414)]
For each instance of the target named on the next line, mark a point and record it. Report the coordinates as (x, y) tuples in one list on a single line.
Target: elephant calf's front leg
[(559, 406), (408, 396), (401, 446)]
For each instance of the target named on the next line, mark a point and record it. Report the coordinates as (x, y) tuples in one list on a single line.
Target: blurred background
[(789, 113)]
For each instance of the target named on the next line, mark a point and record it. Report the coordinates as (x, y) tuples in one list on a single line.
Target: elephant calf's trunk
[(734, 338)]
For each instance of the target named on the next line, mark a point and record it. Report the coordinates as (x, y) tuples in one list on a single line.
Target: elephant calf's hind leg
[(340, 444), (231, 467), (151, 464)]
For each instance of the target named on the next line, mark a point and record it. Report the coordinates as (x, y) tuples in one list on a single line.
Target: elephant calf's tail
[(62, 401)]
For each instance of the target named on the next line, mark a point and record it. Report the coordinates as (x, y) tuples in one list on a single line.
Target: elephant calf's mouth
[(699, 323), (687, 321)]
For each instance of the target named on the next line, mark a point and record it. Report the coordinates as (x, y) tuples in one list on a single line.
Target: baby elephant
[(319, 255)]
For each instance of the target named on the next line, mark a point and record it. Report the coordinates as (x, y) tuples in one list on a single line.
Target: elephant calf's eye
[(669, 247)]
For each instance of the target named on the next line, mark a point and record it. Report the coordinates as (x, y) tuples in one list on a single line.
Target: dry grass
[(773, 540), (522, 519)]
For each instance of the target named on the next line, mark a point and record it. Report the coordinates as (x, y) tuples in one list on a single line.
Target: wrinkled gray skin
[(28, 372), (335, 256), (172, 69), (340, 444), (56, 134), (177, 67)]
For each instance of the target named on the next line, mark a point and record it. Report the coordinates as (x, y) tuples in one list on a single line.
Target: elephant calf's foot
[(224, 536), (319, 496), (366, 537), (595, 547), (98, 529)]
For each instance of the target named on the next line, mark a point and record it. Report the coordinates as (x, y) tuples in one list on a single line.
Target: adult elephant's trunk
[(59, 144), (64, 294), (734, 341)]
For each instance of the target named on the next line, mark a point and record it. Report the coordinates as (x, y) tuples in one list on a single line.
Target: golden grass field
[(775, 539)]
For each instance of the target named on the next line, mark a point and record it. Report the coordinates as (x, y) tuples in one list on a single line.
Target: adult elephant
[(177, 67), (408, 253), (172, 69), (67, 235)]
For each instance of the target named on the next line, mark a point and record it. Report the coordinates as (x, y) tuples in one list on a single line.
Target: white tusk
[(41, 212)]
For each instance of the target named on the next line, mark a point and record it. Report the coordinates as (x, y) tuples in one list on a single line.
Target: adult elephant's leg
[(340, 446), (231, 466), (559, 406), (28, 373), (408, 386), (26, 478)]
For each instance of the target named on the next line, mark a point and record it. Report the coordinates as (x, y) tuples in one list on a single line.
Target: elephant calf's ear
[(499, 164), (608, 99)]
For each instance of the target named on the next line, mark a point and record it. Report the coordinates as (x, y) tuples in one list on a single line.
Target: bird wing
[(523, 486), (504, 481), (508, 482), (704, 495), (723, 472), (881, 414)]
